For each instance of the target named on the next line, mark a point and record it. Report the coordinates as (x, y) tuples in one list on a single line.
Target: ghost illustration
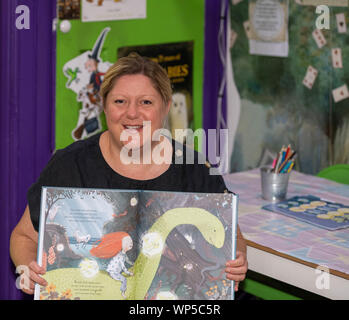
[(178, 115)]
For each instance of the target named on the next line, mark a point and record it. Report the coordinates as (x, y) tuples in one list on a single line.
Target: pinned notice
[(269, 27)]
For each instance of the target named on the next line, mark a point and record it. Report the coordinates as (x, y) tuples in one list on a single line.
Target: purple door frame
[(213, 68), (26, 116)]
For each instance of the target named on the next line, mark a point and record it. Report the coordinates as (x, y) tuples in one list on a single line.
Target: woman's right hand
[(31, 275)]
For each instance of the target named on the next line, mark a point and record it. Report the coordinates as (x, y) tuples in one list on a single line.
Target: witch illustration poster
[(135, 245), (85, 74)]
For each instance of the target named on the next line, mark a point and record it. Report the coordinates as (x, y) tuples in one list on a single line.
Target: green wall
[(167, 21)]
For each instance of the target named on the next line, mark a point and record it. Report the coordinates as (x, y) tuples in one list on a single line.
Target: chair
[(338, 173)]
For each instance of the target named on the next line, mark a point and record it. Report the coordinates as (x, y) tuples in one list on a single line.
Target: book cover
[(126, 244)]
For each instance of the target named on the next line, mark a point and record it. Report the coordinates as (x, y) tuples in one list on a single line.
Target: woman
[(136, 96)]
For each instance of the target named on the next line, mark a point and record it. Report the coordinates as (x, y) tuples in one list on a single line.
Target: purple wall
[(26, 116)]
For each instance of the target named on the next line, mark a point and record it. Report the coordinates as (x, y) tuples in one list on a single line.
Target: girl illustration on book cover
[(115, 245)]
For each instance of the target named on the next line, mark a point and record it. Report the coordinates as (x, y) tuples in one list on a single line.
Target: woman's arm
[(24, 241), (23, 251)]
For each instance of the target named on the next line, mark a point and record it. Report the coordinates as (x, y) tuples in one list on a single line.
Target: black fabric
[(82, 165)]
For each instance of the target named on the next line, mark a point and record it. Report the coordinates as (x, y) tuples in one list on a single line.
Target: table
[(290, 250)]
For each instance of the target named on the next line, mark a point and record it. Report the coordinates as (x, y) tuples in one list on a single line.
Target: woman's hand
[(31, 276), (236, 269)]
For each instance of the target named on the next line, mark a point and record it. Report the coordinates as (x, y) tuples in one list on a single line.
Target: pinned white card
[(341, 23), (247, 27), (332, 3), (337, 61), (340, 93), (310, 77), (232, 39), (319, 38)]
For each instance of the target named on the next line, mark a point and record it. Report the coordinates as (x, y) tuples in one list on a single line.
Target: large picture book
[(126, 244)]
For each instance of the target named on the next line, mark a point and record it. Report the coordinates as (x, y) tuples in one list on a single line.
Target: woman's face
[(131, 101)]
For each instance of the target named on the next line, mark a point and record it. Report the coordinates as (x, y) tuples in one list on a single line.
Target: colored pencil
[(288, 150), (278, 162), (291, 166), (291, 155), (284, 161), (274, 163)]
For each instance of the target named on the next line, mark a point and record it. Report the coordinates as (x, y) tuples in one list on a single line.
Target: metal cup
[(274, 185)]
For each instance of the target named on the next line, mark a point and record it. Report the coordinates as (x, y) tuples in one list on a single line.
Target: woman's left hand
[(236, 269)]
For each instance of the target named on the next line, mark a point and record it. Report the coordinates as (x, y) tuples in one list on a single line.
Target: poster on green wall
[(84, 76), (177, 60)]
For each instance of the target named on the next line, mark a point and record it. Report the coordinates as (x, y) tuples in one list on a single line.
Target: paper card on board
[(340, 93), (103, 10), (333, 3), (232, 38), (319, 38), (269, 20), (341, 23), (247, 27), (337, 61), (310, 77)]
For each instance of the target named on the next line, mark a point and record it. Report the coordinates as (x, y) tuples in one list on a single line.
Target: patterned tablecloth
[(287, 235)]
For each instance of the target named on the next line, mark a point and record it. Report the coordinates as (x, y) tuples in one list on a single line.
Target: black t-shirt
[(81, 165)]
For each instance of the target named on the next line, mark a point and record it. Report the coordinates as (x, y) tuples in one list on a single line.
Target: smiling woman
[(136, 99), (136, 94)]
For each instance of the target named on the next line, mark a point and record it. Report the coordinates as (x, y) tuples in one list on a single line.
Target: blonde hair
[(136, 64)]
